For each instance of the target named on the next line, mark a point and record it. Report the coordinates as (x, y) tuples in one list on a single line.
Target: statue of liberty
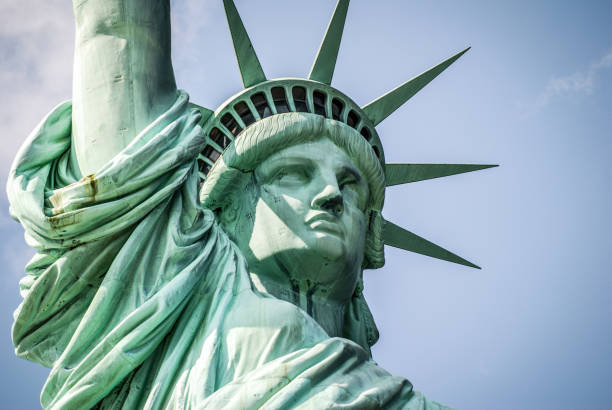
[(197, 259)]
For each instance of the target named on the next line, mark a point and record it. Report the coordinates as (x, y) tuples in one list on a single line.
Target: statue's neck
[(329, 314)]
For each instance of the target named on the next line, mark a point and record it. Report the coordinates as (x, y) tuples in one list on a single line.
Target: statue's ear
[(238, 204), (374, 249)]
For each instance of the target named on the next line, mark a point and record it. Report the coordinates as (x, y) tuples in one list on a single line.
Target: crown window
[(352, 119), (366, 133), (219, 138), (230, 123), (261, 104), (203, 167), (245, 113), (211, 153), (376, 150), (337, 108), (299, 99), (319, 102), (280, 100)]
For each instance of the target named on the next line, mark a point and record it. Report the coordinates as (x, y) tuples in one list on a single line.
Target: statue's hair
[(273, 134)]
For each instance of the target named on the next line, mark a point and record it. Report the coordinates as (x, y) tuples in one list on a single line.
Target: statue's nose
[(329, 200)]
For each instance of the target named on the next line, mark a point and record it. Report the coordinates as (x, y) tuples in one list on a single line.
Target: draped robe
[(136, 298)]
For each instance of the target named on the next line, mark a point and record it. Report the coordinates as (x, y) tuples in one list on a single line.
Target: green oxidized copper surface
[(207, 259)]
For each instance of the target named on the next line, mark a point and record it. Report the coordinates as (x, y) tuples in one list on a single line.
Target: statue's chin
[(328, 247), (325, 268)]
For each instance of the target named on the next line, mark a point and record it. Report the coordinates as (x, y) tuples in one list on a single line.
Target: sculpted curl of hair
[(277, 132)]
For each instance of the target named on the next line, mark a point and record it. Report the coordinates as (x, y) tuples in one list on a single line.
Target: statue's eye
[(350, 179), (291, 175), (353, 187)]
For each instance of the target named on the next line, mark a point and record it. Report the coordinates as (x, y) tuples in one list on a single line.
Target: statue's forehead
[(320, 151)]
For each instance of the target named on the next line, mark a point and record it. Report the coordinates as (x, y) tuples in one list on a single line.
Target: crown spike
[(323, 67), (398, 237), (397, 174), (383, 106), (250, 68)]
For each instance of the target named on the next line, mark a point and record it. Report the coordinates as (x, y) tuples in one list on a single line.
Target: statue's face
[(308, 221)]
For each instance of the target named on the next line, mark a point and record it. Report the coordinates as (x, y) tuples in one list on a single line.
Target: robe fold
[(136, 297)]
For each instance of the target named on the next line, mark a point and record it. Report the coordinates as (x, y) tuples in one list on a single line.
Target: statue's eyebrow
[(353, 171), (273, 164)]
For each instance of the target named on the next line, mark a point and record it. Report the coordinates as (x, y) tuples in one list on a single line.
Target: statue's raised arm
[(123, 76)]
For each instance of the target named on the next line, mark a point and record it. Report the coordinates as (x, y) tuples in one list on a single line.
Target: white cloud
[(604, 62), (583, 82), (195, 40), (36, 45), (190, 17)]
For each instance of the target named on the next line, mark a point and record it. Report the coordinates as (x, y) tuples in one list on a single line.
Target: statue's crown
[(278, 96), (263, 98)]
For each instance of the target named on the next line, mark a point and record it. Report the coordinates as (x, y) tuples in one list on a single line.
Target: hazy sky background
[(532, 330)]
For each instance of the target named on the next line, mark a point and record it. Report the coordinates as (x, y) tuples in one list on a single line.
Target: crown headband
[(262, 98)]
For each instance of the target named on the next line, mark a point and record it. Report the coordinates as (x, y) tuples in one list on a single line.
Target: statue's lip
[(322, 216), (325, 222)]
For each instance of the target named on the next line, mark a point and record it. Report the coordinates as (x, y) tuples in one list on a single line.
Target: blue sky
[(532, 330)]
